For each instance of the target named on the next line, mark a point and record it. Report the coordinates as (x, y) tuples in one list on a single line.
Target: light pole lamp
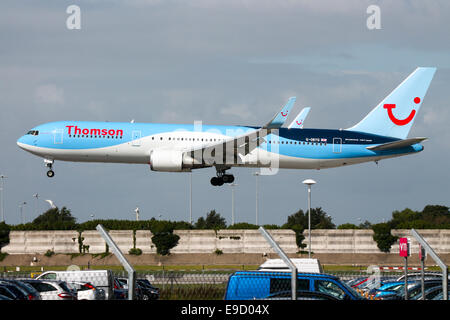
[(309, 183)]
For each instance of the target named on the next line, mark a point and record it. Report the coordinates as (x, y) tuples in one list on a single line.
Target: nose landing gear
[(49, 165)]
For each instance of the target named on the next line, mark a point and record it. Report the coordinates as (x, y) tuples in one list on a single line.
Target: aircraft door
[(136, 138), (337, 145), (58, 136)]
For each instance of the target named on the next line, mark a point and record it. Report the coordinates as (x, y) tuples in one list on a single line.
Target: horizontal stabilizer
[(396, 144)]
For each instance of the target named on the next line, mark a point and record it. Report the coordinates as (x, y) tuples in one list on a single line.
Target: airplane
[(382, 134), (299, 120)]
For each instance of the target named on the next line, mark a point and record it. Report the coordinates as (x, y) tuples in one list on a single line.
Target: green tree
[(213, 221), (298, 222), (243, 225), (347, 226), (4, 234), (55, 219), (383, 237), (163, 237)]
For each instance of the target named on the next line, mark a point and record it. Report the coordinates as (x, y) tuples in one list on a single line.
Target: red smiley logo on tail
[(400, 122), (284, 114), (299, 123)]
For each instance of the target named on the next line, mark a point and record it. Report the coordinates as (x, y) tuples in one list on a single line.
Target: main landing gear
[(222, 178), (49, 165)]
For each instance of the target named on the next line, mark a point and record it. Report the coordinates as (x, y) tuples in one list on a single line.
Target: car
[(86, 291), (4, 298), (418, 276), (19, 293), (414, 289), (28, 290), (247, 285), (101, 279), (389, 288), (139, 290), (52, 289), (149, 292), (440, 296), (430, 293), (119, 293), (4, 291)]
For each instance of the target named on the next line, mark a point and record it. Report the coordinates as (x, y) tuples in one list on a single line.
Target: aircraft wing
[(242, 144), (396, 144), (299, 119)]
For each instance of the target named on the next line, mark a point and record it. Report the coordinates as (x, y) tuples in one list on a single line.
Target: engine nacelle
[(166, 160)]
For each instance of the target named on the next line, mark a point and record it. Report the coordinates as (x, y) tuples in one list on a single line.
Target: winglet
[(300, 119), (279, 119)]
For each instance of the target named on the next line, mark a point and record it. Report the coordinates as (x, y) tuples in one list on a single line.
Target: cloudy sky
[(221, 62)]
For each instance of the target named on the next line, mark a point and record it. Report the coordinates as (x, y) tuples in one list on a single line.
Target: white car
[(86, 291), (52, 290)]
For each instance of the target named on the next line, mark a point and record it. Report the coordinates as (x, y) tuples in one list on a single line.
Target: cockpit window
[(33, 132)]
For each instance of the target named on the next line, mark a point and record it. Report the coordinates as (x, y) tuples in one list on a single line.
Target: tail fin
[(395, 115), (279, 119)]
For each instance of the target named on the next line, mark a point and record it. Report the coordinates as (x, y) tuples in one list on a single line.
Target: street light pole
[(137, 213), (36, 195), (2, 201), (232, 202), (309, 183), (256, 174), (21, 210), (190, 198)]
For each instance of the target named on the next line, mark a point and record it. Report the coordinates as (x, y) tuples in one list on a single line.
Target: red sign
[(404, 247)]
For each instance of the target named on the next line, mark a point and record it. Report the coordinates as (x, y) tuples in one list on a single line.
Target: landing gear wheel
[(228, 178), (50, 173), (217, 181)]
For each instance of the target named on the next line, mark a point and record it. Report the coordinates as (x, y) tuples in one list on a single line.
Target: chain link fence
[(191, 285)]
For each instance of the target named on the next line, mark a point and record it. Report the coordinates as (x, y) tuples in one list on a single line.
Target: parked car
[(245, 285), (30, 292), (389, 288), (4, 291), (101, 279), (4, 298), (119, 293), (52, 289), (430, 293), (149, 292), (414, 289), (86, 291), (18, 292), (142, 292), (440, 296)]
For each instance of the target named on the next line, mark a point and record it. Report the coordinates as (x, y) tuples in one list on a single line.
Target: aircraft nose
[(21, 142)]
